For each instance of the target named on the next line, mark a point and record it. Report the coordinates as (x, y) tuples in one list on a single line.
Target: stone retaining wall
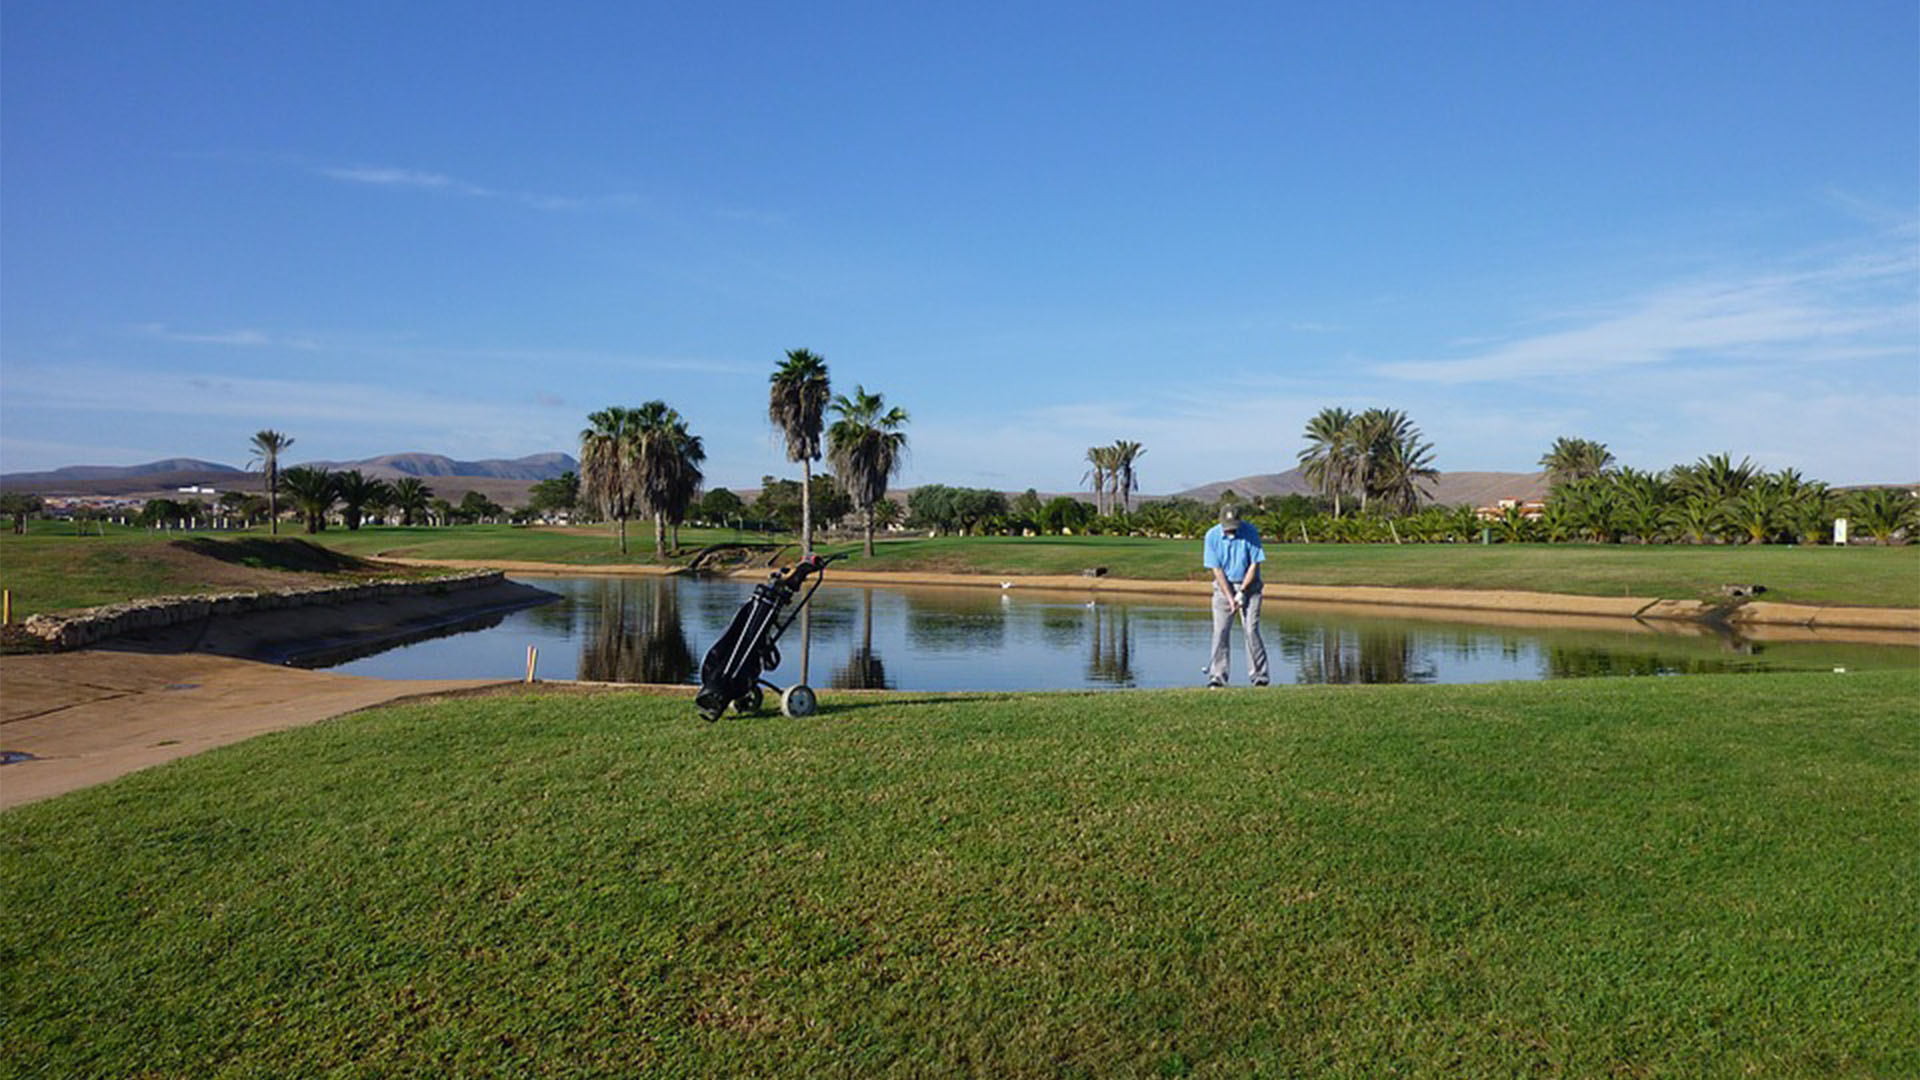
[(79, 629)]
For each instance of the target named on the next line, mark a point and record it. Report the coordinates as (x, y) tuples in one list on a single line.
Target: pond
[(657, 629)]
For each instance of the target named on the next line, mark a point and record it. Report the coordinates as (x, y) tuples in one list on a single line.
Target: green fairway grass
[(50, 570), (584, 546), (1708, 876), (1864, 576)]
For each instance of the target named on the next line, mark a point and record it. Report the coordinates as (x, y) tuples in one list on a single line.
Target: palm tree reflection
[(1357, 656), (1110, 646), (864, 670), (637, 637)]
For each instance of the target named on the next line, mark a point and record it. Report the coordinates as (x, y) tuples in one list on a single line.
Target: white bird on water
[(1007, 584)]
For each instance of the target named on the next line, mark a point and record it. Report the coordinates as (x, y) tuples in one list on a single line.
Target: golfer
[(1232, 551)]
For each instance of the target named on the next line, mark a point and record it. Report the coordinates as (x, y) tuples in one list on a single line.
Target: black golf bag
[(730, 675)]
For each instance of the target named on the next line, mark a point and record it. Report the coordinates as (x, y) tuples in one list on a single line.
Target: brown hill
[(1449, 489)]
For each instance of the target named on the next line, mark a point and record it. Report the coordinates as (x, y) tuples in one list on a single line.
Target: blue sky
[(1676, 228)]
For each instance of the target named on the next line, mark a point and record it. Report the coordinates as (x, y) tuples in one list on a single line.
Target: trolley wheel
[(710, 715), (799, 701), (750, 701)]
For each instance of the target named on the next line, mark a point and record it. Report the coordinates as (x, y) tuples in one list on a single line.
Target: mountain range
[(493, 477)]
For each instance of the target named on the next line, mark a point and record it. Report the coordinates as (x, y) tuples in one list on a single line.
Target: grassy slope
[(1711, 875), (54, 571)]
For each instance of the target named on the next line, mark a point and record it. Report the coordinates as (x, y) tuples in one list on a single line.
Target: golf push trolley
[(730, 674)]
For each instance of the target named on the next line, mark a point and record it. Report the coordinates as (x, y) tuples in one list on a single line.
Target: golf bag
[(730, 674)]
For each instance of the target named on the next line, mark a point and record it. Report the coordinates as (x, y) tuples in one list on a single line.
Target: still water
[(657, 630)]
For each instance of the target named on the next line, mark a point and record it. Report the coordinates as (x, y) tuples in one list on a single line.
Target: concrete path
[(91, 716)]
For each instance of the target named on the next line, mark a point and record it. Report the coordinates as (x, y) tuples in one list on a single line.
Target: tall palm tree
[(1328, 460), (1125, 454), (313, 492), (1575, 459), (1399, 470), (866, 448), (410, 496), (608, 478), (267, 445), (680, 477), (1377, 434), (1097, 457), (662, 466), (797, 404)]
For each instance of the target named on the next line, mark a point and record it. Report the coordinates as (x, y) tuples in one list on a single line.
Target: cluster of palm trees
[(865, 445), (641, 461), (1112, 475), (645, 460), (1376, 454), (314, 491), (1712, 500)]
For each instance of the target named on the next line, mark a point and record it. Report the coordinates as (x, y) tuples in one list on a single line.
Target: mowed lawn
[(1701, 876), (1880, 577)]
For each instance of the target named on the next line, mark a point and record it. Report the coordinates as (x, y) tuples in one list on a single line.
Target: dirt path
[(91, 716)]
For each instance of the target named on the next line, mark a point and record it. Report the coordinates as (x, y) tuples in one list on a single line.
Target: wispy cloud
[(239, 338), (1861, 305), (423, 180)]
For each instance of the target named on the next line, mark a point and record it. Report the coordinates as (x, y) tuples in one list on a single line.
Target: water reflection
[(1110, 645), (864, 670), (656, 629), (636, 636), (1330, 655)]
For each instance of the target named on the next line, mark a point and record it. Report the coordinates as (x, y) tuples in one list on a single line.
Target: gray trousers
[(1223, 623)]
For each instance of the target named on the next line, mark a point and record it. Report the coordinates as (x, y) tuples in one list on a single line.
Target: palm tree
[(1715, 477), (267, 445), (665, 466), (1759, 511), (1399, 468), (1643, 499), (313, 492), (1883, 511), (356, 492), (1575, 459), (1377, 434), (1697, 517), (681, 485), (866, 448), (410, 496), (1125, 453), (1098, 457), (797, 404), (608, 478), (1328, 458)]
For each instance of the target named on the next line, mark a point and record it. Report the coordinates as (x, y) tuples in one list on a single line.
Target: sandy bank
[(91, 716)]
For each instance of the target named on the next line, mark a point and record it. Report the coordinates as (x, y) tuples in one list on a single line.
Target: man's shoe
[(1215, 684), (1260, 682)]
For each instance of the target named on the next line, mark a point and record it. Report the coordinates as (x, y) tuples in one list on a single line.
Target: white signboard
[(1840, 532)]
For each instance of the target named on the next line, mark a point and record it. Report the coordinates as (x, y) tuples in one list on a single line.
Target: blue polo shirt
[(1233, 554)]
